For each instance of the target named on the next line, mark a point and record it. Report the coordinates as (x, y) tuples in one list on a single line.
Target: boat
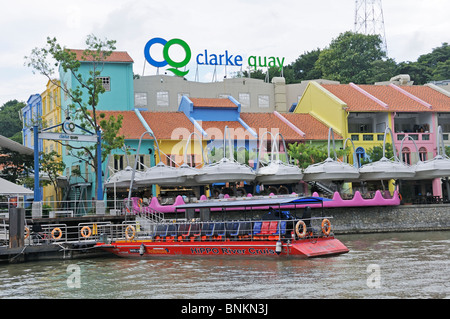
[(265, 228)]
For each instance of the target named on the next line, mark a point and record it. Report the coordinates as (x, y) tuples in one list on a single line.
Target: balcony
[(366, 137), (421, 137)]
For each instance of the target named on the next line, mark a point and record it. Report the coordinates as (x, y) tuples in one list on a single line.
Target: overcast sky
[(281, 28)]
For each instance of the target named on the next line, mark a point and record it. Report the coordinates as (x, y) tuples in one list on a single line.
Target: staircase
[(322, 188)]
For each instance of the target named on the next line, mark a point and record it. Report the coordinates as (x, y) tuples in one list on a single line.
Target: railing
[(47, 234), (366, 137), (226, 230), (415, 136)]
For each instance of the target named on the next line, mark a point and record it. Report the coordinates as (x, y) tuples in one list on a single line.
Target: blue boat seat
[(245, 229), (257, 228), (208, 229), (161, 230), (219, 229), (232, 228), (172, 230)]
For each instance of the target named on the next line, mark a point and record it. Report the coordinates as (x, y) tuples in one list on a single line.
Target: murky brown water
[(391, 265)]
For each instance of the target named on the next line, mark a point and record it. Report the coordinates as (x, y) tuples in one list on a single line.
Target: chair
[(184, 231), (161, 231), (245, 229), (172, 232), (257, 228), (232, 228), (196, 231), (208, 230), (219, 230), (281, 230)]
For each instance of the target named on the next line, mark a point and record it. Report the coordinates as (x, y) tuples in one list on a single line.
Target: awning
[(8, 188)]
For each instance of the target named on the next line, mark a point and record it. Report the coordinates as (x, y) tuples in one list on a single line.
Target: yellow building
[(51, 115)]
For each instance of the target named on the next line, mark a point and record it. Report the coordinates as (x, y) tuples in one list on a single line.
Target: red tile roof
[(116, 56), (175, 125), (395, 100), (313, 128), (206, 102)]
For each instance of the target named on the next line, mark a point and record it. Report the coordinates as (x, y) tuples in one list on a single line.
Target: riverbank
[(381, 219)]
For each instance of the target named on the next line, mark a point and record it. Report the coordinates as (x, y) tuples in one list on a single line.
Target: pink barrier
[(337, 201)]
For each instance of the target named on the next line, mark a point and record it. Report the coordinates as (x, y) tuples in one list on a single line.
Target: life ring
[(56, 229), (133, 230), (140, 202), (297, 230), (27, 232), (326, 226), (128, 209), (89, 232)]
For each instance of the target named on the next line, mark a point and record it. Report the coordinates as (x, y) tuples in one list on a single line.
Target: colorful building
[(117, 79), (51, 116), (363, 112), (208, 117)]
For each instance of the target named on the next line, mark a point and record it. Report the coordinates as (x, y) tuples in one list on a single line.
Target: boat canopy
[(255, 202)]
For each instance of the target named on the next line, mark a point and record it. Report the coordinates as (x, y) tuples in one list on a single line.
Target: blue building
[(117, 79)]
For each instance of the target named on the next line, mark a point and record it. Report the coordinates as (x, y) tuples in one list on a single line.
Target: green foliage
[(350, 57), (375, 153), (308, 154), (10, 123), (15, 165)]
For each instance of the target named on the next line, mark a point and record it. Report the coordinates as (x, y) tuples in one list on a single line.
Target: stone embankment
[(353, 220)]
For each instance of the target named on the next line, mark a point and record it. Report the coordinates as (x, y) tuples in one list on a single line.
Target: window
[(118, 162), (406, 155), (140, 164), (162, 99), (244, 99), (140, 99), (106, 82), (263, 101), (171, 160), (191, 160), (423, 155)]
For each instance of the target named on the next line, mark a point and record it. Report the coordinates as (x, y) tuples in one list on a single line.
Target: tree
[(10, 123), (350, 56), (304, 68), (428, 67), (375, 153), (15, 165), (308, 154), (85, 96), (52, 166)]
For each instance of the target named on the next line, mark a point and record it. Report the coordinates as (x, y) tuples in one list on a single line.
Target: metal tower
[(369, 19)]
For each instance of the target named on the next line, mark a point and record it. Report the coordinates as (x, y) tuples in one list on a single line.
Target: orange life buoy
[(27, 232), (133, 232), (140, 202), (297, 229), (56, 229), (326, 226), (83, 232)]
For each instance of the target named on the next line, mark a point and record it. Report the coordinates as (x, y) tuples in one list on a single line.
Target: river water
[(388, 265)]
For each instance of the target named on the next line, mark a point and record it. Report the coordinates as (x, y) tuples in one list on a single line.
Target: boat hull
[(306, 248)]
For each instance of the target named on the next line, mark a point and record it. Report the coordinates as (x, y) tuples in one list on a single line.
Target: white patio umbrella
[(276, 171), (385, 169), (331, 169)]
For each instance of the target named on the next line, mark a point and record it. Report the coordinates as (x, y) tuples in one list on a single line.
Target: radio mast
[(369, 19)]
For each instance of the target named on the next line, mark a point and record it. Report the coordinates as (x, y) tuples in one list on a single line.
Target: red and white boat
[(266, 229)]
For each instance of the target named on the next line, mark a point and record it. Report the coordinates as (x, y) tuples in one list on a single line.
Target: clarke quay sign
[(204, 58)]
